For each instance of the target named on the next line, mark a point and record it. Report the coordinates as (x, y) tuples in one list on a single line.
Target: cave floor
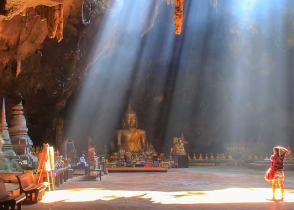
[(200, 187)]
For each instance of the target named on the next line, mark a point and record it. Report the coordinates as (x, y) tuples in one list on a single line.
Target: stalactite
[(179, 12), (178, 16), (59, 32), (18, 67), (54, 17), (52, 22)]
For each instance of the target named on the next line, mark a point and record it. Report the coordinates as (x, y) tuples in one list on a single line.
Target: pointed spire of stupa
[(3, 117), (7, 146), (3, 124)]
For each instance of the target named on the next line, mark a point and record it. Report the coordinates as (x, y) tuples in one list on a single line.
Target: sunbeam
[(225, 196)]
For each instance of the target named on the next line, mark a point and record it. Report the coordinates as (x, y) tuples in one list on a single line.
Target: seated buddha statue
[(130, 138), (178, 147)]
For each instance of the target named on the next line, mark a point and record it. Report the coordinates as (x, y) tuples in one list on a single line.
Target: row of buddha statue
[(223, 156), (210, 157), (16, 144)]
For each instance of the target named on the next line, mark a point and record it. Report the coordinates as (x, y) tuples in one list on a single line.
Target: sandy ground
[(200, 187)]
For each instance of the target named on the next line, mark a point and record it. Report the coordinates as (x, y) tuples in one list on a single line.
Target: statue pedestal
[(181, 161)]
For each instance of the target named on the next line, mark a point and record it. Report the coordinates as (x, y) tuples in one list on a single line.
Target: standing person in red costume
[(277, 160)]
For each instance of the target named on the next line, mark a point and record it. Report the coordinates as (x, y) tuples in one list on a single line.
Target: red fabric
[(277, 161), (269, 174), (148, 164)]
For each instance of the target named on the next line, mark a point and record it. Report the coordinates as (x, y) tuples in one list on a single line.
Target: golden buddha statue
[(178, 147), (130, 138)]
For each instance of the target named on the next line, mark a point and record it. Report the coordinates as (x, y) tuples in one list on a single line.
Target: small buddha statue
[(189, 157), (130, 138), (206, 157), (255, 157), (200, 157), (250, 157), (194, 157), (114, 157), (178, 147), (150, 149), (211, 156)]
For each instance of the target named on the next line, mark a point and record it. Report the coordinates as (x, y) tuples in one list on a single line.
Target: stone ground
[(200, 187)]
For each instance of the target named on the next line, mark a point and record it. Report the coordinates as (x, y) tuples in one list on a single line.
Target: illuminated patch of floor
[(229, 195)]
